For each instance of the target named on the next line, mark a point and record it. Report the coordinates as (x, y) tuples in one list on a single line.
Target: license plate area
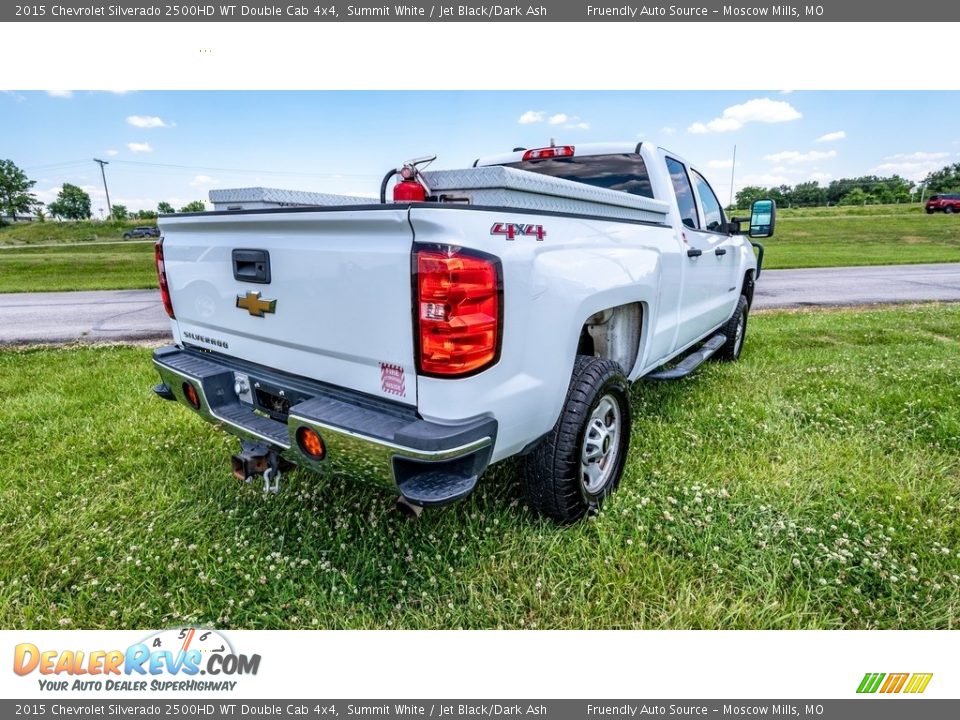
[(274, 400)]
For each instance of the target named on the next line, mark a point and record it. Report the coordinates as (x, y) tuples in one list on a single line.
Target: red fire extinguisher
[(411, 187)]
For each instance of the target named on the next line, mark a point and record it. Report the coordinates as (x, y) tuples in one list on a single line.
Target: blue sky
[(175, 146)]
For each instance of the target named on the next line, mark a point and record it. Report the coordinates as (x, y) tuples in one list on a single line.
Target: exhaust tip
[(409, 509)]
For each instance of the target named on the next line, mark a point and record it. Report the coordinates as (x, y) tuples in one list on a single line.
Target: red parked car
[(948, 203)]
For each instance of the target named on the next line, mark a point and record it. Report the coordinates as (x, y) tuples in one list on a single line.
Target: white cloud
[(786, 92), (532, 116), (821, 177), (60, 93), (139, 147), (918, 156), (578, 125), (203, 181), (720, 164), (111, 152), (668, 130), (912, 166), (147, 121), (558, 119), (762, 110), (831, 137), (792, 157), (910, 170)]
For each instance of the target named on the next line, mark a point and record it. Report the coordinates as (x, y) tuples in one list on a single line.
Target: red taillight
[(190, 392), (162, 278), (458, 311), (548, 152), (311, 443)]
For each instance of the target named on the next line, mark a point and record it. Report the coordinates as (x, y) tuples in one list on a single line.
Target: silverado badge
[(252, 303)]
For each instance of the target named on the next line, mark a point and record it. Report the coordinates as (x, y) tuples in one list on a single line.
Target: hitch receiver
[(252, 460)]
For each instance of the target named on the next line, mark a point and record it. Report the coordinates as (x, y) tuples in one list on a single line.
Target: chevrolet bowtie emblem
[(252, 303)]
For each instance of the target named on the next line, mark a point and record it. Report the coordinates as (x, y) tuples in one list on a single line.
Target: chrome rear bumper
[(365, 438)]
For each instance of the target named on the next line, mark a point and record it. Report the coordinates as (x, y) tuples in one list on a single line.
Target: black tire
[(930, 211), (738, 321), (127, 236), (553, 477), (949, 210)]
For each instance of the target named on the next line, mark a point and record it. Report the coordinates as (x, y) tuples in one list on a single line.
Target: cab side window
[(712, 211), (684, 193)]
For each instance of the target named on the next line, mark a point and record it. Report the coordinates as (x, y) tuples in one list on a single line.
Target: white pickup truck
[(497, 311)]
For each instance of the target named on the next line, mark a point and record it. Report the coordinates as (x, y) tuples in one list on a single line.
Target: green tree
[(946, 179), (72, 203), (119, 212), (195, 206), (808, 194), (857, 196), (15, 195), (750, 193), (146, 215), (165, 208)]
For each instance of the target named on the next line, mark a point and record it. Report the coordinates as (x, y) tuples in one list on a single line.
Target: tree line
[(864, 190), (72, 202)]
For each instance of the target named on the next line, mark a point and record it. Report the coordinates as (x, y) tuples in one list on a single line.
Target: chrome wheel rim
[(600, 446), (738, 334)]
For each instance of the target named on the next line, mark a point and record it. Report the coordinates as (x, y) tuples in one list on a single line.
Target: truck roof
[(581, 149)]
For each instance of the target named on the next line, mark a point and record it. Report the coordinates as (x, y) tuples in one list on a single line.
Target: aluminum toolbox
[(512, 188), (257, 198)]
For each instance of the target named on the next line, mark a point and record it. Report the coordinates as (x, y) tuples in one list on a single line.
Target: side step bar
[(691, 362)]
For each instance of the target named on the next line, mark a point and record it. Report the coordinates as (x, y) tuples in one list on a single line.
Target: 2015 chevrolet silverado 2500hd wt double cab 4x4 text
[(494, 311)]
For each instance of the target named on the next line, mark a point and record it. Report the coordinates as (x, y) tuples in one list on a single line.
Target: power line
[(242, 170)]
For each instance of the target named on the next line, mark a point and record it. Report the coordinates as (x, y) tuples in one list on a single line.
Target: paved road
[(858, 285), (137, 314)]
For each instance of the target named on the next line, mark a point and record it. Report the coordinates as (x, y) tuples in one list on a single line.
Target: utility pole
[(103, 174), (733, 169)]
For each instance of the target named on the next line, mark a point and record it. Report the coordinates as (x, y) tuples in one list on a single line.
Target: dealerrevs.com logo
[(181, 659)]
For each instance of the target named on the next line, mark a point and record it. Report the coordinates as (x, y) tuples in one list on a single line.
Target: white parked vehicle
[(501, 310)]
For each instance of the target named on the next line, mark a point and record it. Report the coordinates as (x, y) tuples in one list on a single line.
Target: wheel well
[(614, 334), (748, 287)]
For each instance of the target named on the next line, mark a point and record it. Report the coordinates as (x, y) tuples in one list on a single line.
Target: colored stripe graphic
[(870, 682), (918, 683), (894, 683)]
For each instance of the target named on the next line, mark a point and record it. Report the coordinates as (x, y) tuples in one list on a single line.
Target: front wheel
[(736, 332), (949, 210), (581, 460)]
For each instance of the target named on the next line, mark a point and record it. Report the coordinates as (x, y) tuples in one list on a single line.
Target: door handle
[(721, 251), (693, 252)]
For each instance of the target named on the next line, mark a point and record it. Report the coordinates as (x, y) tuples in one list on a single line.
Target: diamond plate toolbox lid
[(509, 187), (261, 197)]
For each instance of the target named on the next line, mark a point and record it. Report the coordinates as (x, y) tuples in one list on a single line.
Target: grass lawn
[(873, 235), (78, 267), (814, 484), (54, 232)]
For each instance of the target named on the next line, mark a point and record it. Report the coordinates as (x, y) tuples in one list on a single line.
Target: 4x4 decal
[(515, 230)]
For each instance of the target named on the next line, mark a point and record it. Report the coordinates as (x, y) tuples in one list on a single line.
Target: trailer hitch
[(258, 459)]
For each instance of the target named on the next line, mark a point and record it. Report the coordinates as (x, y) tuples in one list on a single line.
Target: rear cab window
[(684, 192), (624, 172)]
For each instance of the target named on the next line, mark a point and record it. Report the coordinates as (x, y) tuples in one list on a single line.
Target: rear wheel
[(949, 210), (736, 332), (581, 460), (930, 211)]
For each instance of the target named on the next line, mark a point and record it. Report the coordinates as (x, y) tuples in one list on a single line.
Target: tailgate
[(336, 306)]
